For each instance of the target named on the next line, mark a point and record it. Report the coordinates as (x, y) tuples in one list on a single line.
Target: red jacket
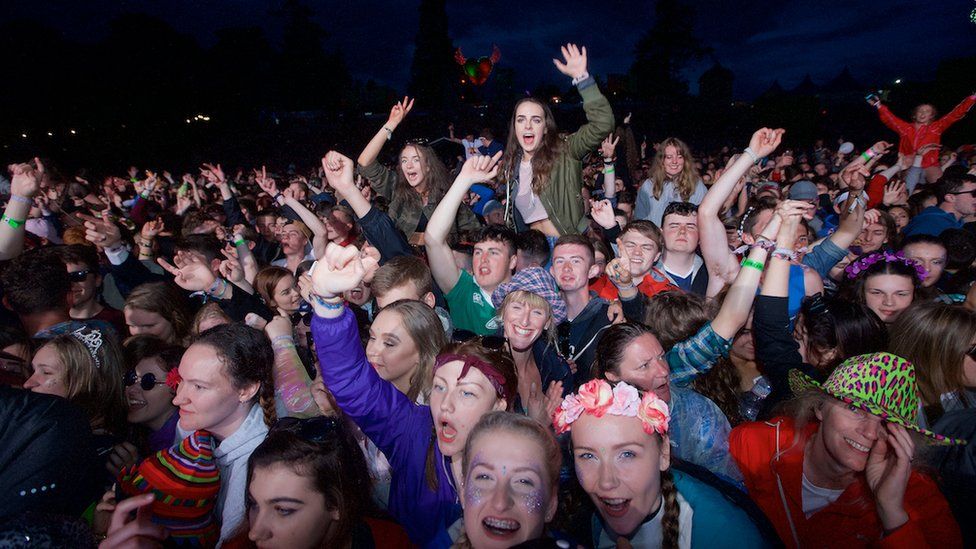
[(654, 283), (852, 520), (913, 138)]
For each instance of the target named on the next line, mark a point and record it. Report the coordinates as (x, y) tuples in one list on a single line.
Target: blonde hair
[(534, 301), (209, 311), (686, 181), (95, 388)]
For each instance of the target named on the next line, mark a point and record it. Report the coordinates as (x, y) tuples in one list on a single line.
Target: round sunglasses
[(147, 381)]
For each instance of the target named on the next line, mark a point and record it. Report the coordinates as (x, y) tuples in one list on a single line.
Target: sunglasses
[(147, 381), (970, 192), (79, 276), (314, 429), (304, 316)]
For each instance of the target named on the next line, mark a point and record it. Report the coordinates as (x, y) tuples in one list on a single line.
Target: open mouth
[(615, 507), (528, 139), (500, 528), (135, 404), (446, 433), (521, 331), (856, 446)]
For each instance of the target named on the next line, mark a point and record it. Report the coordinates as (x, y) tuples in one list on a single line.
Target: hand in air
[(342, 268), (573, 64), (765, 141)]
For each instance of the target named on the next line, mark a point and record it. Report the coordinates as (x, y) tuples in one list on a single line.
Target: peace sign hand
[(399, 112), (609, 145)]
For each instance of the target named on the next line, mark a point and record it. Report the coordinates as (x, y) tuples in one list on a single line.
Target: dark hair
[(497, 233), (847, 326), (486, 133), (578, 240), (613, 343), (140, 347), (947, 185), (626, 197), (206, 245), (36, 282), (679, 208), (854, 289), (922, 238), (401, 270), (916, 202), (334, 465), (544, 157), (674, 316), (78, 253), (960, 246), (436, 181), (534, 245), (247, 355), (751, 216)]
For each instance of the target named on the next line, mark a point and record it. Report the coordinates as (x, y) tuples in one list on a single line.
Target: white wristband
[(752, 154)]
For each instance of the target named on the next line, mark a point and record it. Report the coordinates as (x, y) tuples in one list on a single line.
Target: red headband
[(489, 370)]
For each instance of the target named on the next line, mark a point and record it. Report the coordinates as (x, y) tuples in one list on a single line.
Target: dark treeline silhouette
[(135, 95)]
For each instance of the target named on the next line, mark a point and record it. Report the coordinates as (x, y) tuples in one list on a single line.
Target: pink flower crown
[(858, 267), (597, 397)]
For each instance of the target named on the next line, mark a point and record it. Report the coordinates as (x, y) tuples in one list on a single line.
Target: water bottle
[(751, 402)]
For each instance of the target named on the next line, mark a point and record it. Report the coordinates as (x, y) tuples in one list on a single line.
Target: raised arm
[(475, 170), (607, 149), (956, 114), (599, 115), (293, 387), (24, 184), (719, 260), (385, 133)]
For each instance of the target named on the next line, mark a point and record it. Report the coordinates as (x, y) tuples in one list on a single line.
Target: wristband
[(765, 243), (331, 305), (389, 133), (580, 78), (12, 222), (609, 169), (865, 156), (758, 265), (276, 197), (282, 338), (239, 242), (21, 199), (785, 253), (752, 154)]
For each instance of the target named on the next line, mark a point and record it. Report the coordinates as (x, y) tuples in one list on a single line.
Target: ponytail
[(266, 398)]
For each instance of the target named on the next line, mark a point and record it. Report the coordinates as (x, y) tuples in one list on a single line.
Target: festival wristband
[(609, 169), (331, 305), (12, 222), (784, 253), (752, 154), (765, 243), (21, 199), (239, 242), (758, 265)]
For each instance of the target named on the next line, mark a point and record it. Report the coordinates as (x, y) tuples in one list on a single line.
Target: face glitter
[(533, 501)]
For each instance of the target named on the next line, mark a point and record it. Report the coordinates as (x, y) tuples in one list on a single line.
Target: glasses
[(147, 381), (305, 317), (314, 429), (971, 192), (79, 276)]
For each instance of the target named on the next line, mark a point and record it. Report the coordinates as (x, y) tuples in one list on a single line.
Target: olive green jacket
[(407, 216), (562, 197)]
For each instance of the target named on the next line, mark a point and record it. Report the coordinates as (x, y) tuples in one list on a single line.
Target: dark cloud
[(758, 41)]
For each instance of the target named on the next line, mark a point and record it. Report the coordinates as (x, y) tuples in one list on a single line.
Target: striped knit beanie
[(186, 481)]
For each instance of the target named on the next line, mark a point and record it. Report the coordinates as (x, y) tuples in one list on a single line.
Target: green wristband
[(239, 242), (758, 265), (12, 222)]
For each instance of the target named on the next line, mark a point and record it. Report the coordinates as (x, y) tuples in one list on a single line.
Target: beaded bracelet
[(765, 243), (16, 224), (785, 253), (758, 265)]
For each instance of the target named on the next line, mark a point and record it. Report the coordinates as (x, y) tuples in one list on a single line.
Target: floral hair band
[(597, 398), (858, 267)]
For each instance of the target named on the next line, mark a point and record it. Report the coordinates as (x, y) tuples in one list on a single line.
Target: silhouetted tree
[(433, 73), (664, 51)]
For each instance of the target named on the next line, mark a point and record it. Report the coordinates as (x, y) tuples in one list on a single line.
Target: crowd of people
[(566, 340)]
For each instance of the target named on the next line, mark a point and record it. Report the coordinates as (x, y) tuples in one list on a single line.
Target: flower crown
[(858, 267), (597, 397)]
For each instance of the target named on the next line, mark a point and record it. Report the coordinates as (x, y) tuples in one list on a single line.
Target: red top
[(654, 283), (914, 137), (852, 520)]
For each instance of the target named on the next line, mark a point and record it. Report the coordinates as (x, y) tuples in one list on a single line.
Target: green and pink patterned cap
[(881, 384)]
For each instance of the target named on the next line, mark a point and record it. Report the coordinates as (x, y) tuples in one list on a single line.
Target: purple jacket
[(402, 430)]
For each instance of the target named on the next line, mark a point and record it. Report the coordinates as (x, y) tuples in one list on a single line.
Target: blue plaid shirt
[(696, 355)]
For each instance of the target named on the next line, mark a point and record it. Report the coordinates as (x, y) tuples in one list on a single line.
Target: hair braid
[(266, 398), (669, 522)]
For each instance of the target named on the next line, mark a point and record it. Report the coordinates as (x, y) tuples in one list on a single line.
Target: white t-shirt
[(816, 498)]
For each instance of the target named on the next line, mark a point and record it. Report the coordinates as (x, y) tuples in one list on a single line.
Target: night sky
[(758, 41)]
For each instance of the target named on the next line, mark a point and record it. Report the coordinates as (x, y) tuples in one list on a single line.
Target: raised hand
[(627, 118), (191, 275), (618, 270), (895, 193), (104, 234), (765, 141), (278, 326), (213, 174), (342, 268), (25, 179), (128, 532), (609, 146), (602, 212), (231, 270), (880, 147), (152, 228), (478, 169), (574, 61), (855, 177), (399, 112), (887, 472), (339, 171), (266, 183)]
